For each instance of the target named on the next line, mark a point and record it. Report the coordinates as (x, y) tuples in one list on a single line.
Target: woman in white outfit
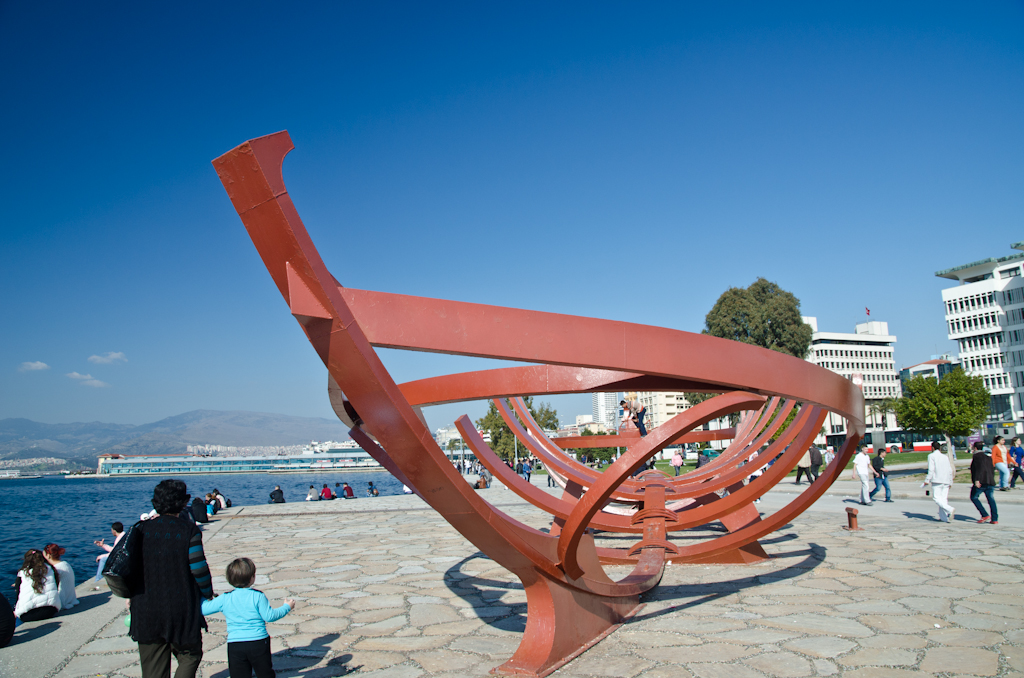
[(38, 597), (862, 471), (66, 587), (940, 477)]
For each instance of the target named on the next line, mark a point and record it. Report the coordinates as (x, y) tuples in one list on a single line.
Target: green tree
[(763, 314), (502, 441), (603, 453), (955, 406)]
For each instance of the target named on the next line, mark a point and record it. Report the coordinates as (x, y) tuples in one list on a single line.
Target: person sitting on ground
[(325, 494), (371, 491), (65, 576), (276, 495), (212, 505), (312, 495), (38, 590), (117, 529), (247, 612), (198, 510), (347, 492), (222, 501), (7, 624)]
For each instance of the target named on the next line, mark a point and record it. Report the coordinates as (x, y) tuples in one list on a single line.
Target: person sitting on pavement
[(7, 624), (325, 494), (312, 495), (65, 575), (983, 480), (347, 491), (276, 495), (117, 529), (38, 590), (371, 491)]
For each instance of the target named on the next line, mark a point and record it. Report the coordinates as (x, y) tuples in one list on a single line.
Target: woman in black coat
[(166, 613)]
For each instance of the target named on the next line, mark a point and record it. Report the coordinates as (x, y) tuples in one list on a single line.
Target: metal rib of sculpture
[(571, 602)]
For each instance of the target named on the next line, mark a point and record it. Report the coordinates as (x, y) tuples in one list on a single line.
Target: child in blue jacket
[(247, 612)]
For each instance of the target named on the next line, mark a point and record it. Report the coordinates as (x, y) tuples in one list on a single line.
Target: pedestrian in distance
[(804, 467), (815, 461), (247, 612), (881, 476), (940, 477), (677, 461), (1000, 459), (1017, 457), (983, 476), (863, 472)]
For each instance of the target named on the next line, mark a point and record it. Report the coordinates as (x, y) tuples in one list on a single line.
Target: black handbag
[(123, 569)]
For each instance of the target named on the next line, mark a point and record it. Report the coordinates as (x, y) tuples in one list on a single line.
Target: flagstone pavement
[(388, 589)]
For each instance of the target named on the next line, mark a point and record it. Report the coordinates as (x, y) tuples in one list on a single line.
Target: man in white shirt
[(862, 471), (940, 477)]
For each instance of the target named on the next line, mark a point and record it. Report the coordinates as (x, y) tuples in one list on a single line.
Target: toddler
[(247, 612)]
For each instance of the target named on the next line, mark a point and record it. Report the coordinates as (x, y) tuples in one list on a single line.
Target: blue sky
[(547, 157)]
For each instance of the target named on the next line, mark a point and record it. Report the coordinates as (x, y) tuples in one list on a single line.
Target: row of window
[(1010, 272), (1014, 296), (846, 353), (999, 381), (1015, 316), (977, 322), (980, 342), (880, 391), (971, 303), (985, 362), (858, 366)]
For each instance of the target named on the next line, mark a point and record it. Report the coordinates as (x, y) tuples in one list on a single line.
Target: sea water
[(74, 512)]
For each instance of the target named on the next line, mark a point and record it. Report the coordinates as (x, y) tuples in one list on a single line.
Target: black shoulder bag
[(123, 570)]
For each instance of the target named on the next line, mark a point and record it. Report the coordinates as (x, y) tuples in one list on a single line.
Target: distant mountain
[(82, 442)]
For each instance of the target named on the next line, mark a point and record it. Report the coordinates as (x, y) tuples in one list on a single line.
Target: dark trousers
[(879, 484), (155, 659), (39, 613), (551, 481), (252, 655), (988, 490), (1017, 473)]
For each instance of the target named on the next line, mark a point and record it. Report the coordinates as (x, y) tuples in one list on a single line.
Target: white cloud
[(33, 366), (107, 358), (87, 380)]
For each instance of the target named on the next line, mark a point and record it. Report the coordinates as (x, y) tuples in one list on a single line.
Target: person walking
[(983, 481), (940, 477), (677, 461), (166, 611), (804, 467), (881, 476), (1017, 457), (1000, 460), (815, 461), (863, 472)]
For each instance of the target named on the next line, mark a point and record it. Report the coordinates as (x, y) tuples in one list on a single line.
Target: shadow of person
[(295, 662), (32, 630), (87, 602), (921, 516)]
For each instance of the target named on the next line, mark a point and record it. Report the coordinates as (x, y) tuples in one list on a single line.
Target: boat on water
[(14, 474)]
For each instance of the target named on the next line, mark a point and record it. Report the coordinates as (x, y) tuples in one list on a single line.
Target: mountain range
[(82, 442)]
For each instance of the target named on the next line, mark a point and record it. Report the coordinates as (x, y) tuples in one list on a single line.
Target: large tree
[(502, 440), (763, 314), (954, 406)]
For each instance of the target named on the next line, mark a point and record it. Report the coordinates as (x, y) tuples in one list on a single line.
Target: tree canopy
[(954, 406), (602, 453), (502, 441), (764, 315)]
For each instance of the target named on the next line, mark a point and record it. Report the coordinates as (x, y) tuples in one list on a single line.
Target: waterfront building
[(605, 408), (985, 316)]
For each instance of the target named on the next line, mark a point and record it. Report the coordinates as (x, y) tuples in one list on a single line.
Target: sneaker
[(888, 501), (995, 522), (984, 520)]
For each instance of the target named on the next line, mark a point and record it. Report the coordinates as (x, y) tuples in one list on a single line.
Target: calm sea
[(73, 513)]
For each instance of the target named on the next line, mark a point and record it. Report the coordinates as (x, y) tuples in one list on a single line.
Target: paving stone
[(781, 664), (1014, 656), (666, 672), (819, 623), (97, 664), (824, 667), (824, 647), (120, 643), (880, 657), (724, 671), (974, 661), (751, 637), (429, 614), (907, 642), (443, 661), (491, 646), (900, 623), (964, 637), (597, 665), (718, 652)]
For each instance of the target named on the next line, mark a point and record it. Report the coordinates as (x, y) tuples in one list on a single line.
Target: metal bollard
[(851, 518)]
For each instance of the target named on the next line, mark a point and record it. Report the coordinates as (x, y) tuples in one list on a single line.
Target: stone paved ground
[(387, 589)]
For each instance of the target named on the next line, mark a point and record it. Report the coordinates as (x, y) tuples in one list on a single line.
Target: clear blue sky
[(547, 157)]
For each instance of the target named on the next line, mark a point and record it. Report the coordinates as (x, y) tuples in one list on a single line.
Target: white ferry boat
[(134, 465), (14, 473)]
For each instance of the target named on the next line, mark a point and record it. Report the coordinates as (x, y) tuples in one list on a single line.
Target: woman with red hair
[(65, 575)]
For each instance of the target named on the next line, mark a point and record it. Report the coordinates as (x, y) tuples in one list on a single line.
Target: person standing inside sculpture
[(635, 412), (983, 480), (940, 477), (863, 472), (166, 613)]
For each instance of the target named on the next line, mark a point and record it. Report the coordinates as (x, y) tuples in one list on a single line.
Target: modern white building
[(864, 357), (605, 408), (985, 316)]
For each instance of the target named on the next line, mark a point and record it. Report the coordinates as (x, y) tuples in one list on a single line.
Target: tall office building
[(866, 356), (605, 408), (985, 316)]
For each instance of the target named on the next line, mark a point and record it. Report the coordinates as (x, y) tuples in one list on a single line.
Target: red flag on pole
[(867, 310)]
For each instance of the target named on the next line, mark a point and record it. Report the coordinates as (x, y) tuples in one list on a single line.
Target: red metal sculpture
[(571, 602)]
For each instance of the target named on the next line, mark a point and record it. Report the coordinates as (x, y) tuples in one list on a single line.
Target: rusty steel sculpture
[(571, 602)]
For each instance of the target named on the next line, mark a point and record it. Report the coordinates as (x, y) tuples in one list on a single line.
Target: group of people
[(45, 585), (341, 491)]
